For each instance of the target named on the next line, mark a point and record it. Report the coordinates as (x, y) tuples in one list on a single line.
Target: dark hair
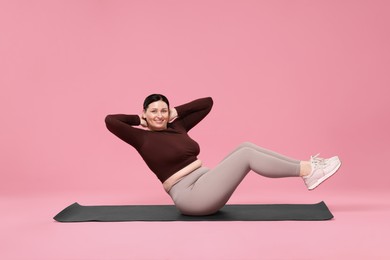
[(153, 98)]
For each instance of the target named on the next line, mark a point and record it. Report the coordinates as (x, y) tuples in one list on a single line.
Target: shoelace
[(317, 161)]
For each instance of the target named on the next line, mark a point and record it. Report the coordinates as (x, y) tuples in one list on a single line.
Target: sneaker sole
[(321, 180)]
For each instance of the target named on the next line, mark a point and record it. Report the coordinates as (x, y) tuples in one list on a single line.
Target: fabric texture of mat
[(232, 212)]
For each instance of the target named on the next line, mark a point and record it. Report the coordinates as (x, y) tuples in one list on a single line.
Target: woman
[(172, 155)]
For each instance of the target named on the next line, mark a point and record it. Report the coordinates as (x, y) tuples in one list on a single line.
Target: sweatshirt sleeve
[(122, 126), (190, 114)]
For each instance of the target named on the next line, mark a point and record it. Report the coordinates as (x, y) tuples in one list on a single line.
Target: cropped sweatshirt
[(166, 151)]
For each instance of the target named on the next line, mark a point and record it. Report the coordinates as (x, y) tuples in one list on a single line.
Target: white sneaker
[(322, 169)]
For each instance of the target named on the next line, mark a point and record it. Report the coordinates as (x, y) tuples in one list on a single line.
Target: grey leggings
[(205, 191)]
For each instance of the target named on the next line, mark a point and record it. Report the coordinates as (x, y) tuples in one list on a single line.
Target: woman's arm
[(121, 125), (190, 114)]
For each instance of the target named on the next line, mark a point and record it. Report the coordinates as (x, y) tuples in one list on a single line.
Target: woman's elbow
[(210, 102), (108, 120)]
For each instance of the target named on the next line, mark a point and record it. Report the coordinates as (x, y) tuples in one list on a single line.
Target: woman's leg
[(266, 151), (207, 191)]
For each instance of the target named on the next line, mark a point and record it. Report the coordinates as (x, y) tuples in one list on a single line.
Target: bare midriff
[(177, 176)]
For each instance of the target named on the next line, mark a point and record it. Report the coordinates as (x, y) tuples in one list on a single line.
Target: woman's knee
[(245, 145), (245, 148)]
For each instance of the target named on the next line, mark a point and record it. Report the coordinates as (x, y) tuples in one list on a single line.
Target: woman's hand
[(143, 121), (172, 114)]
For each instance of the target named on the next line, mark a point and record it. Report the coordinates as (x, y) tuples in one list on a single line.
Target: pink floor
[(360, 230)]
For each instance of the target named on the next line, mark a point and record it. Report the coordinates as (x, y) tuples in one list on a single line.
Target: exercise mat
[(231, 212)]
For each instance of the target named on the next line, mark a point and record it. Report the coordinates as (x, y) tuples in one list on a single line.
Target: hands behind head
[(172, 114), (143, 123)]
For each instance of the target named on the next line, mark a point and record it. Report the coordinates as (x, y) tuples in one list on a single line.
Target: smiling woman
[(171, 154), (157, 113)]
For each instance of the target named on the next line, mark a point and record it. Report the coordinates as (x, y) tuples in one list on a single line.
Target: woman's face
[(157, 115)]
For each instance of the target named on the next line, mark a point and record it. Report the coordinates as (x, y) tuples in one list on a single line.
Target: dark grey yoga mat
[(246, 212)]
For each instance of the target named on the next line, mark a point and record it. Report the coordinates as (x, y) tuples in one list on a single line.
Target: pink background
[(297, 77)]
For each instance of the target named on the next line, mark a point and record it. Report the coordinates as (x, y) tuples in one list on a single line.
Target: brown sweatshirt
[(169, 150)]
